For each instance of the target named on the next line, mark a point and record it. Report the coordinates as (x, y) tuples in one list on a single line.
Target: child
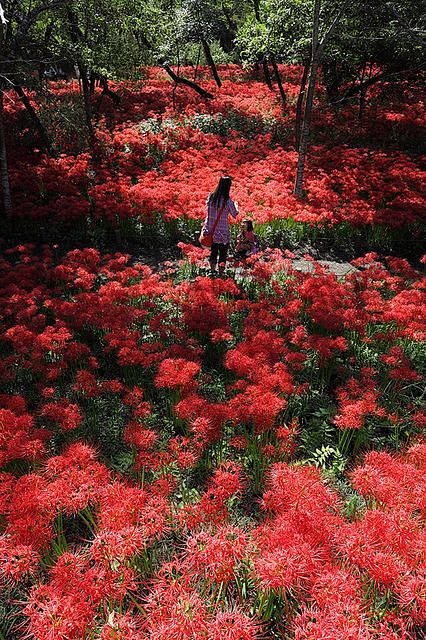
[(246, 241)]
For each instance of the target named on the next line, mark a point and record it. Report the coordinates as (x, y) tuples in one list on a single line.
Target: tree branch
[(406, 25), (32, 16), (327, 35), (188, 83)]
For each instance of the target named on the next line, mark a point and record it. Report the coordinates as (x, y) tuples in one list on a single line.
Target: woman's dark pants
[(218, 250)]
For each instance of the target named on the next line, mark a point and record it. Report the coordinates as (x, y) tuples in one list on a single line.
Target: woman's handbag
[(206, 239)]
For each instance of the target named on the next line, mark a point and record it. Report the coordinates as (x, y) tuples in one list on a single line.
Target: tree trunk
[(106, 91), (267, 74), (307, 115), (300, 101), (4, 172), (34, 118), (316, 57), (227, 33), (92, 83), (256, 9), (355, 88), (76, 37), (278, 79), (40, 73), (109, 92), (362, 92), (210, 62), (232, 25), (306, 129), (197, 65), (87, 104), (331, 80)]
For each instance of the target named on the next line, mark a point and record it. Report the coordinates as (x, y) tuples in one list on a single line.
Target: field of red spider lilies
[(156, 161), (217, 459), (189, 458)]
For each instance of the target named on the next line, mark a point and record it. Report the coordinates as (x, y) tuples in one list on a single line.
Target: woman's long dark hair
[(221, 193)]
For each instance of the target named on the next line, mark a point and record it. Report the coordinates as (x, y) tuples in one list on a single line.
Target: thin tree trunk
[(256, 9), (267, 74), (331, 80), (4, 172), (106, 91), (40, 72), (362, 91), (316, 56), (232, 25), (34, 118), (87, 105), (109, 92), (307, 115), (355, 88), (197, 65), (92, 83), (211, 62), (278, 79), (306, 129), (76, 36), (300, 101)]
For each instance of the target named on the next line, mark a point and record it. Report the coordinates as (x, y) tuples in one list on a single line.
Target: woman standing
[(219, 206)]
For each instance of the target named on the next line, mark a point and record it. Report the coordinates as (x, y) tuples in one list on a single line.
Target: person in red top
[(220, 204), (246, 241)]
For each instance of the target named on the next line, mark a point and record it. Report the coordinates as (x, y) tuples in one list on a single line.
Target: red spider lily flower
[(17, 562), (339, 624), (133, 397), (29, 513), (122, 627), (142, 439), (19, 439), (87, 384), (117, 546), (214, 556), (412, 597), (337, 587), (357, 399), (64, 617), (176, 373), (238, 442), (258, 405), (232, 625), (66, 414), (393, 481), (7, 483), (75, 478), (214, 415), (212, 508), (14, 403), (176, 611)]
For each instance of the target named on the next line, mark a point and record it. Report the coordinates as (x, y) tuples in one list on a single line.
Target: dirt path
[(156, 259), (340, 269)]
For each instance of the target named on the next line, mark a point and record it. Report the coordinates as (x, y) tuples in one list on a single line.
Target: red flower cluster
[(141, 416), (337, 568)]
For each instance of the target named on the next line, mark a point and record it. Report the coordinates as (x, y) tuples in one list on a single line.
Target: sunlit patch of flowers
[(156, 162)]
